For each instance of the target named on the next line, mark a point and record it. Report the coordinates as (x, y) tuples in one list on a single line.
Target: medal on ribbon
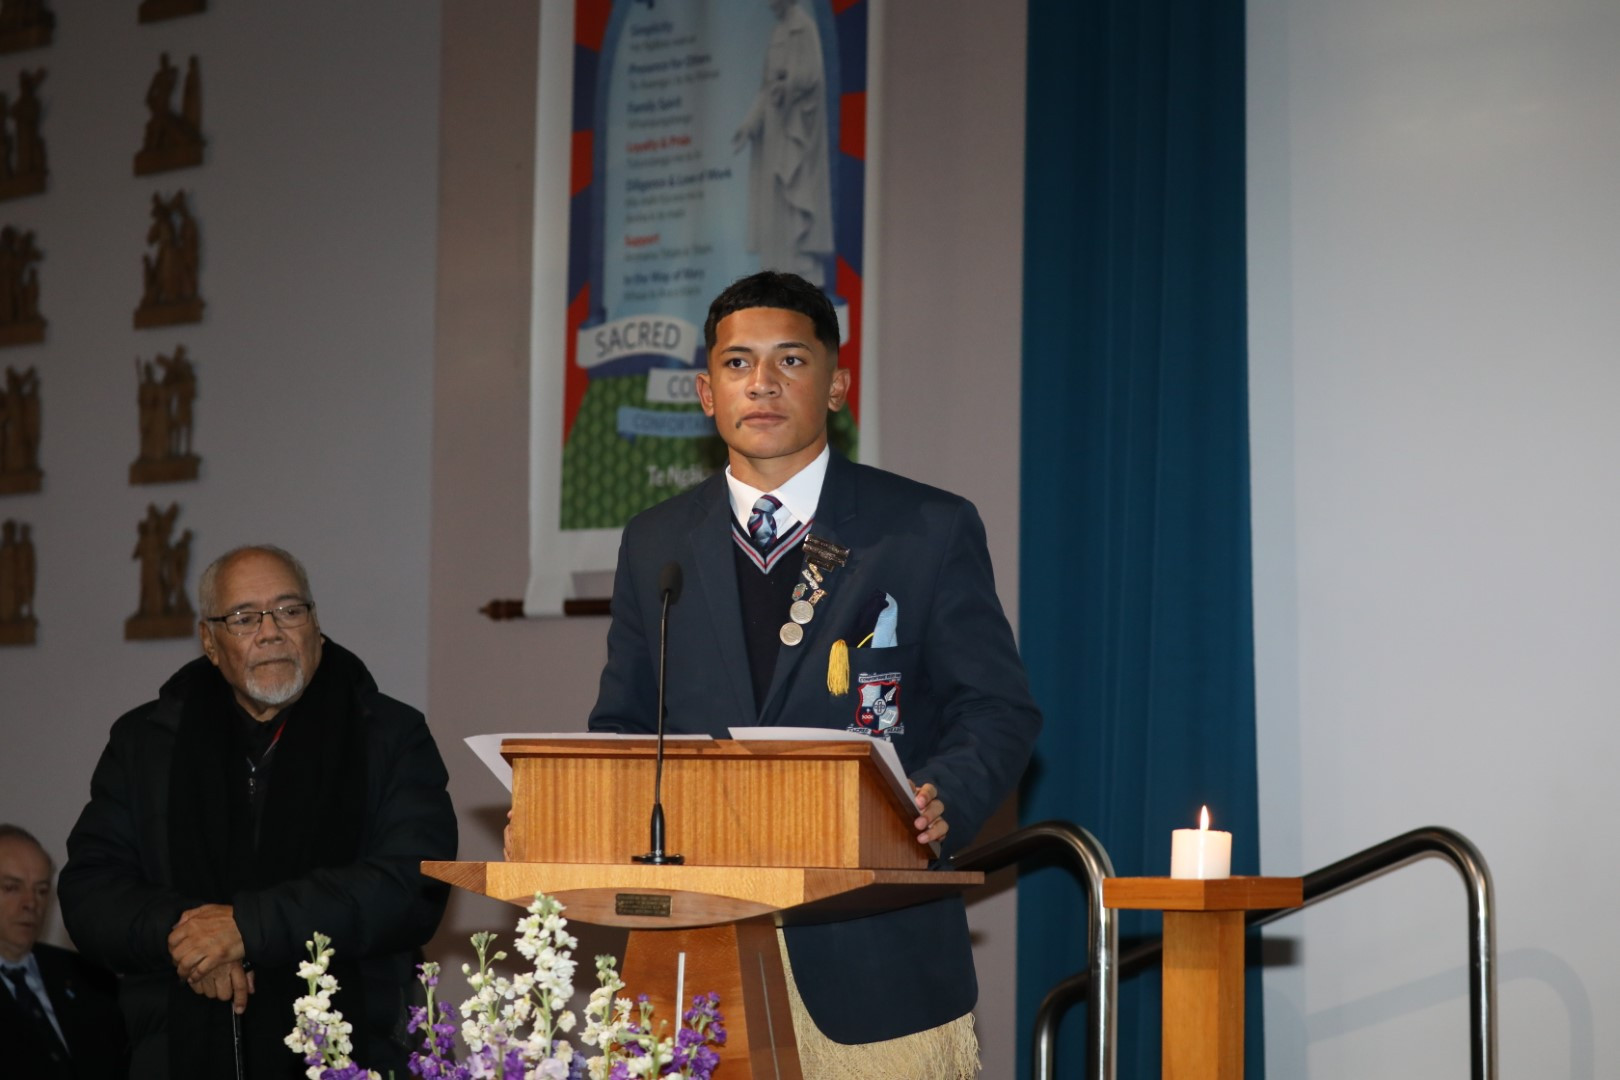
[(821, 558)]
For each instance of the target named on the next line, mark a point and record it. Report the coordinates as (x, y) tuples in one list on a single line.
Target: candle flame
[(1203, 819)]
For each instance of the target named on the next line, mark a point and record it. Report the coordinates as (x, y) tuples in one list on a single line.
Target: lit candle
[(1202, 853)]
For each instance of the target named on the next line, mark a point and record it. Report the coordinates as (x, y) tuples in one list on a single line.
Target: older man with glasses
[(269, 792)]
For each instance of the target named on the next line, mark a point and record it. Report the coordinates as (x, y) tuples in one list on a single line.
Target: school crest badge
[(878, 709)]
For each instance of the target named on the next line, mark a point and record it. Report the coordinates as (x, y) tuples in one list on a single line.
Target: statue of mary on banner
[(789, 181)]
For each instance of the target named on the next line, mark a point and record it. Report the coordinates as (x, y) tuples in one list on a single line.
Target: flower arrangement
[(514, 1027), (321, 1035)]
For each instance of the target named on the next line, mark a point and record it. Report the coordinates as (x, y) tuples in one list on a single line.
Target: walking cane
[(236, 1044)]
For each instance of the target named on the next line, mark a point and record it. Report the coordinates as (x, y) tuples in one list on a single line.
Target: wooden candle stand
[(1203, 962)]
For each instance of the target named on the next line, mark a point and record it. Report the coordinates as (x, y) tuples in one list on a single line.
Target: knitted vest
[(765, 602)]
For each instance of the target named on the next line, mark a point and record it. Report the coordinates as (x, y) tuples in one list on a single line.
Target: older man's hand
[(205, 938), (229, 982)]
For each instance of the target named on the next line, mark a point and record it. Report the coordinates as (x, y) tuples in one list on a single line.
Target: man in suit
[(823, 593), (59, 1016)]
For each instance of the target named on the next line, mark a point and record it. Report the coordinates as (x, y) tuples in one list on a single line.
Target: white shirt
[(799, 496)]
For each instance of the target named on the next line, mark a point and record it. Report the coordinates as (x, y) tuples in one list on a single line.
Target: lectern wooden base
[(743, 964), (840, 847), (1203, 963), (671, 910)]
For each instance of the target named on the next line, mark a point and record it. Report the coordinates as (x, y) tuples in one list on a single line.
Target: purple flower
[(347, 1072), (436, 1059), (704, 1061), (693, 1055)]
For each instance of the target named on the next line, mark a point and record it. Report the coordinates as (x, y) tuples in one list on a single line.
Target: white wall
[(315, 203), (1435, 256)]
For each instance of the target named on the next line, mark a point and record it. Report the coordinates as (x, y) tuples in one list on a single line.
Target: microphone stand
[(657, 856)]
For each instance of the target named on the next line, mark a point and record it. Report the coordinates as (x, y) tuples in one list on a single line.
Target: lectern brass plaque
[(646, 905)]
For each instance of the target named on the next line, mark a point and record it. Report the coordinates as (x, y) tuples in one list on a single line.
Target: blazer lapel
[(710, 545), (11, 1014), (55, 978), (835, 510)]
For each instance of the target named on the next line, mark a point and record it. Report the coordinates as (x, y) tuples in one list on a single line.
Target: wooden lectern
[(1204, 930), (773, 834)]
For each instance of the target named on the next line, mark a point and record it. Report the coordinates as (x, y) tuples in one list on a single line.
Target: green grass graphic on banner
[(608, 477)]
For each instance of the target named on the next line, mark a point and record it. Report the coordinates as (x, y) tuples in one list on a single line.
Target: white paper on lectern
[(488, 747), (888, 757)]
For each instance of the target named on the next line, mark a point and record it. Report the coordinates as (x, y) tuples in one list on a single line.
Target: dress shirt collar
[(35, 979), (800, 495)]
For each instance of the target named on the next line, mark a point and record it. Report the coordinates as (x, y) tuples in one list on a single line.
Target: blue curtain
[(1136, 619)]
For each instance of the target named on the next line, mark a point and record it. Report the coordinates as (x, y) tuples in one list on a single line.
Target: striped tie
[(762, 522)]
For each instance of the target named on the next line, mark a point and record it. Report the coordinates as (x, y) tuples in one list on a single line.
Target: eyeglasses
[(286, 616)]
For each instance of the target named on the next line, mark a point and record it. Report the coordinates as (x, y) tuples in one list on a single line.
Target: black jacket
[(84, 998), (119, 900)]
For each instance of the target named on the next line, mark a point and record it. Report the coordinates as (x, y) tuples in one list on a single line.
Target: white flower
[(552, 1069), (320, 1031), (525, 1014)]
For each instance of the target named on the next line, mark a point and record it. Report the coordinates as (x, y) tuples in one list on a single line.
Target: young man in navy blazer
[(912, 609)]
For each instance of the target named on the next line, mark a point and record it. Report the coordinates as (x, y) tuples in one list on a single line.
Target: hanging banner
[(681, 144)]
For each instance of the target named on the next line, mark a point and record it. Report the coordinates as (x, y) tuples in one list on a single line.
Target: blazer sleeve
[(381, 903), (627, 697), (988, 719)]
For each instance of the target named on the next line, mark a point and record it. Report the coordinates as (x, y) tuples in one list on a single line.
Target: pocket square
[(877, 622)]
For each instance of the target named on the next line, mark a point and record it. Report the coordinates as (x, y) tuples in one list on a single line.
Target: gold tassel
[(838, 669)]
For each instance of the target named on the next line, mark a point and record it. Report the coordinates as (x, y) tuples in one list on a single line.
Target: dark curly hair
[(774, 289)]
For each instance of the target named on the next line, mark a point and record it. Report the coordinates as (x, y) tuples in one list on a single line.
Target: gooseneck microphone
[(669, 591)]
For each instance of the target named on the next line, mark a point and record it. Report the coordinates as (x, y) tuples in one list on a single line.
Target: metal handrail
[(1380, 859), (1091, 865)]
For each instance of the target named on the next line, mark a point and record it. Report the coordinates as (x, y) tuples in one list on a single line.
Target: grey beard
[(279, 694)]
